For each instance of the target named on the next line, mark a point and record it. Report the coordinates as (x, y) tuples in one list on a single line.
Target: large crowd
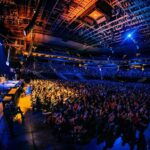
[(87, 109)]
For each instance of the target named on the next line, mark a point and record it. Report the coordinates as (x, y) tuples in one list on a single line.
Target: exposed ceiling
[(62, 19)]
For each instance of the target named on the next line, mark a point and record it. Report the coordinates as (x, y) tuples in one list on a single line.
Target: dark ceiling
[(62, 18)]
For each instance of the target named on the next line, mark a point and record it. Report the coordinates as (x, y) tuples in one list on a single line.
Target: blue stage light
[(129, 35), (1, 44)]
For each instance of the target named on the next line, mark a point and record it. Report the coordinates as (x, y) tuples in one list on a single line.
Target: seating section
[(87, 71)]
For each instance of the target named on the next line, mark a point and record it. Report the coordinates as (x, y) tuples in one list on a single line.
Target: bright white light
[(24, 32), (1, 44), (7, 63)]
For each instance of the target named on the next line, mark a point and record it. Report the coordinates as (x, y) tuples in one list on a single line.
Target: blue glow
[(129, 35), (28, 90)]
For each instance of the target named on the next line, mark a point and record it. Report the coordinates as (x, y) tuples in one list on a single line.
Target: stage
[(9, 90)]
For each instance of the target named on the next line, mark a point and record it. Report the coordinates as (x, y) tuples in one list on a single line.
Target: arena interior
[(74, 74)]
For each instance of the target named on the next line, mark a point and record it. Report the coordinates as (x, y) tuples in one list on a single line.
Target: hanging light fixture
[(8, 57)]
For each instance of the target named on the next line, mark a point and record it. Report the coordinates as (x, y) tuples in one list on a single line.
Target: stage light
[(129, 35), (24, 32), (1, 44), (8, 57), (7, 63)]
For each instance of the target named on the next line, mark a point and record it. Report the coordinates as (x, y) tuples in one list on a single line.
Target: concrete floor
[(33, 134)]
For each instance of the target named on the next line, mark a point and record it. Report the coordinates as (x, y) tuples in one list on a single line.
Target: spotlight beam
[(130, 36)]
